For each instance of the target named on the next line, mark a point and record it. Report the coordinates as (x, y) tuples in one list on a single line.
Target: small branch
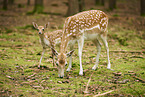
[(123, 51), (103, 93), (142, 80), (86, 90)]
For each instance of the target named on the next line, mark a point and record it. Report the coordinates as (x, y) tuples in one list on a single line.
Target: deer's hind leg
[(80, 48), (53, 58), (98, 45), (104, 39)]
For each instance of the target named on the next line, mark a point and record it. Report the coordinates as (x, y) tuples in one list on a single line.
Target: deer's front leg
[(107, 49), (80, 48), (41, 57), (70, 60), (54, 65)]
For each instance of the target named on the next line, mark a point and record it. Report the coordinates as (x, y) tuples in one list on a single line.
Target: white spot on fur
[(74, 30), (77, 20)]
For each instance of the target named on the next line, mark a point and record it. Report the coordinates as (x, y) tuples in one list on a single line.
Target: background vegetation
[(20, 52)]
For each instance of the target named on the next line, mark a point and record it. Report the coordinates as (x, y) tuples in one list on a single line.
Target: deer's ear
[(46, 25), (35, 25), (54, 52), (70, 53)]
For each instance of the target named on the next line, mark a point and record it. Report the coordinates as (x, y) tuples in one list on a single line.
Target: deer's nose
[(61, 76), (39, 32)]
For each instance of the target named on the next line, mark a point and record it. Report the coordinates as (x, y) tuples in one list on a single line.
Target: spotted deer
[(48, 39), (88, 25)]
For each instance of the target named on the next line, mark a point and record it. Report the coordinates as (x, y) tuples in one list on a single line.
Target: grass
[(20, 76)]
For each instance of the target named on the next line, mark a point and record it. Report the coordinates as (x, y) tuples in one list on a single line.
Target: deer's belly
[(90, 36), (92, 33)]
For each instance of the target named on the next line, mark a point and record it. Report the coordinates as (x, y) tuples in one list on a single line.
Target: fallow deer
[(48, 39), (88, 25)]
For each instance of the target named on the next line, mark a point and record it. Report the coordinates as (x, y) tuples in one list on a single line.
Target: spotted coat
[(78, 24)]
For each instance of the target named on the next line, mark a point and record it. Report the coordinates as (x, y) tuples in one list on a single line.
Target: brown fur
[(83, 20)]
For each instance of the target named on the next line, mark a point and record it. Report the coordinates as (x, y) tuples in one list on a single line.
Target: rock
[(66, 81), (117, 74), (36, 87), (63, 81), (60, 82), (86, 92), (33, 78), (25, 83), (137, 80), (130, 72), (123, 82), (38, 53)]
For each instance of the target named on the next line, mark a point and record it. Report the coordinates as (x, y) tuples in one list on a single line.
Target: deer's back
[(93, 21)]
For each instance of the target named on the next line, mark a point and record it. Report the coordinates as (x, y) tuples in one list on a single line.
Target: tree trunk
[(38, 8), (73, 7), (142, 4), (81, 5), (97, 2), (11, 2), (102, 2), (112, 4), (5, 4), (28, 2)]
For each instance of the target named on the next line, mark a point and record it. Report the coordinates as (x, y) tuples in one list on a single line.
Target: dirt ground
[(127, 11), (20, 52)]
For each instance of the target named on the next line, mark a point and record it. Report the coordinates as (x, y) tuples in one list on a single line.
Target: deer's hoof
[(94, 68), (81, 73)]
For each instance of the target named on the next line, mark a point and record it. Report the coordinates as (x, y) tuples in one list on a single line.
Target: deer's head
[(61, 61), (40, 29)]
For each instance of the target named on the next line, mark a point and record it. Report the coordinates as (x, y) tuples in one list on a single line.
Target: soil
[(20, 52)]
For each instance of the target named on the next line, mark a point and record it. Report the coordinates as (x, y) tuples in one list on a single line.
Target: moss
[(21, 64), (28, 70), (116, 15), (26, 27)]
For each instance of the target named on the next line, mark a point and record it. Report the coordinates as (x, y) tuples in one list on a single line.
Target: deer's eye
[(37, 29), (43, 29)]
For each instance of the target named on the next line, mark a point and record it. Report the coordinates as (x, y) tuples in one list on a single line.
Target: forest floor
[(20, 52)]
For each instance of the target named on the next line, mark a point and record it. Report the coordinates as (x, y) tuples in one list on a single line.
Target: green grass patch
[(20, 76)]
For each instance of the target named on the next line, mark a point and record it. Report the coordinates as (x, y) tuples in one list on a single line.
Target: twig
[(86, 90), (103, 93), (123, 51), (143, 81)]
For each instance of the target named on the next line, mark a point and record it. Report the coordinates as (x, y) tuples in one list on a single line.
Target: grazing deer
[(48, 39), (88, 25)]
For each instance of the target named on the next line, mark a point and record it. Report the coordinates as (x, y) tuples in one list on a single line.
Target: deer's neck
[(44, 40), (64, 43), (41, 36)]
